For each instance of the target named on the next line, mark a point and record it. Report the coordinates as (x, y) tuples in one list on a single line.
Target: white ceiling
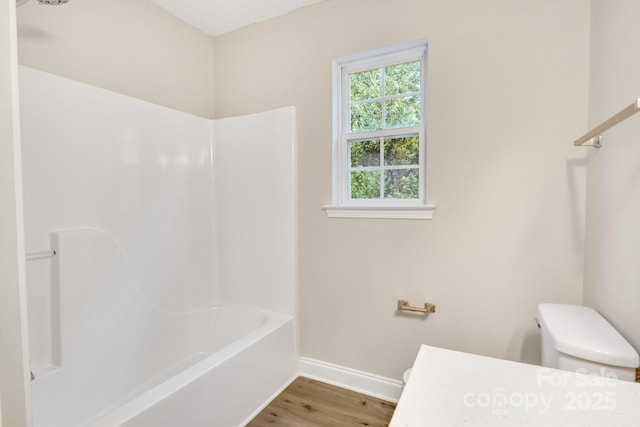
[(217, 17)]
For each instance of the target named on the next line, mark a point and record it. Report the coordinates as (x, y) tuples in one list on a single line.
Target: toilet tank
[(577, 338)]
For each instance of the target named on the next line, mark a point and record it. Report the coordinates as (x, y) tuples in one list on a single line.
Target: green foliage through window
[(366, 85), (403, 112), (370, 89), (402, 78), (365, 185), (366, 116), (400, 153), (401, 184), (365, 153)]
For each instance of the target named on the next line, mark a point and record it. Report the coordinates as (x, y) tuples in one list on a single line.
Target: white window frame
[(342, 206)]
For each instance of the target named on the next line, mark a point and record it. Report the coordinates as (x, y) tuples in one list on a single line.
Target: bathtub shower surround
[(172, 291)]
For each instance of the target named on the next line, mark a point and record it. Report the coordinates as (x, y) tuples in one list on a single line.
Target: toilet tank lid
[(582, 332)]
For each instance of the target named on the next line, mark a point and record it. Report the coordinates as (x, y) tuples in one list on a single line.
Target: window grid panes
[(381, 130), (385, 168), (385, 98)]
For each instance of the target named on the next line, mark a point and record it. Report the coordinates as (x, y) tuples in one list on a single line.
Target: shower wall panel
[(139, 172), (255, 164), (203, 212)]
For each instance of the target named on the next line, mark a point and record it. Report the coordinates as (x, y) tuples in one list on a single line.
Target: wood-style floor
[(309, 403)]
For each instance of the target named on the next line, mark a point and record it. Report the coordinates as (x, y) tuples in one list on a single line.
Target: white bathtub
[(121, 360), (250, 360)]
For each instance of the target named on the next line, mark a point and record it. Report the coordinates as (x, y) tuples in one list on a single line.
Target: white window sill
[(393, 212)]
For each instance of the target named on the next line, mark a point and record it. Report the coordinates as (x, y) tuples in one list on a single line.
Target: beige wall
[(612, 253), (128, 46), (508, 87)]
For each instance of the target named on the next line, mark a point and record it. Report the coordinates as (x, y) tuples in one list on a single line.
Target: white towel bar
[(32, 256)]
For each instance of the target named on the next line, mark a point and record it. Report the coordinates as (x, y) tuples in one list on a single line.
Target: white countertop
[(449, 388)]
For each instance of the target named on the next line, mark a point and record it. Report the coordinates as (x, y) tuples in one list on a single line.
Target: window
[(379, 134)]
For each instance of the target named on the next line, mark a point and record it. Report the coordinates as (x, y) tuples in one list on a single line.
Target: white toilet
[(577, 338)]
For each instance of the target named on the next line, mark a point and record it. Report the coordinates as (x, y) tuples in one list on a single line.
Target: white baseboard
[(351, 379)]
